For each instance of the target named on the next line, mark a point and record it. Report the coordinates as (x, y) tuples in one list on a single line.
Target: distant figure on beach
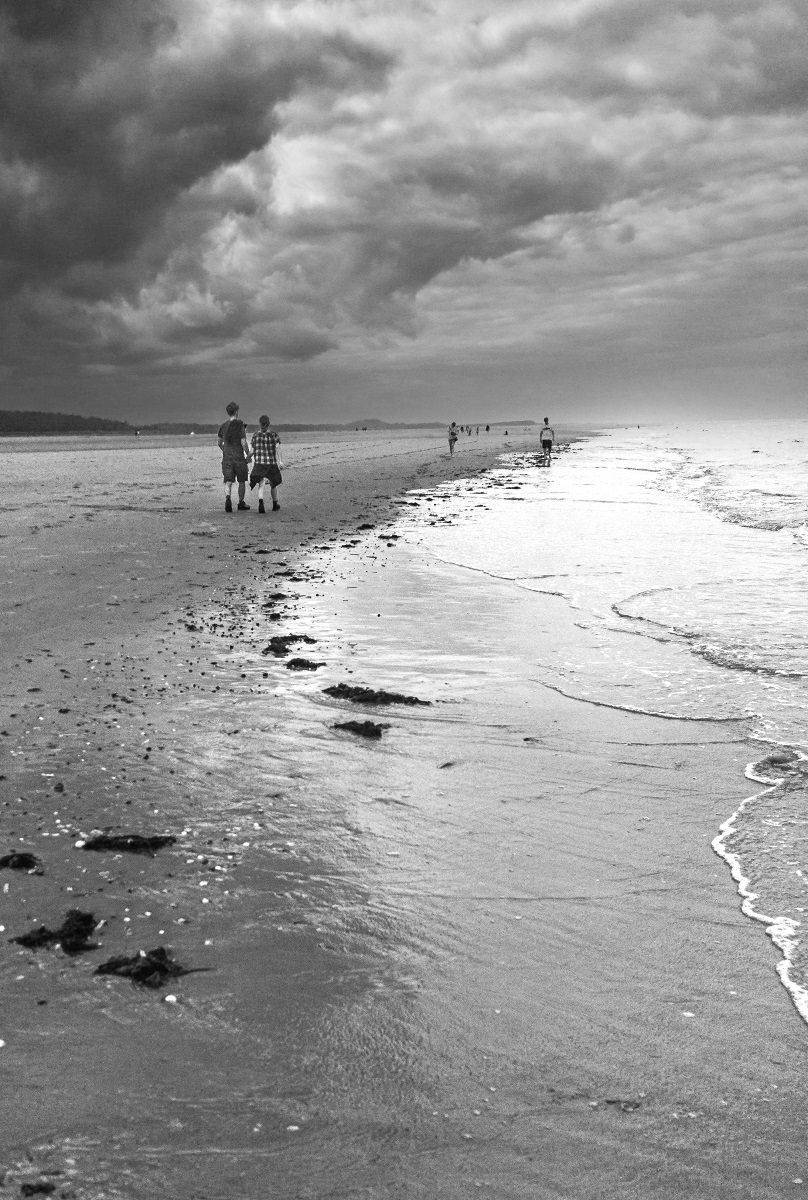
[(452, 437), (547, 436), (487, 428), (266, 463), (235, 456)]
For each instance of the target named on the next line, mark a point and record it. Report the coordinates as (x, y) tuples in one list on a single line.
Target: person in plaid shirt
[(266, 463)]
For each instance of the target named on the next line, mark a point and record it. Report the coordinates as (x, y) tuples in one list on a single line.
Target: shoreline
[(329, 484), (234, 770), (781, 930)]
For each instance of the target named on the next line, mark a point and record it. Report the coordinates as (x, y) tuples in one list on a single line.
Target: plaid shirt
[(265, 446)]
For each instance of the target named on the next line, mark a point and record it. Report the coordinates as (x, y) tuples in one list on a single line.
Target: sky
[(406, 209)]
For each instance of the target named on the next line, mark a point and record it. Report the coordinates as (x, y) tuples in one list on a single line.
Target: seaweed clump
[(22, 860), (72, 935), (368, 729), (134, 843), (280, 645), (149, 968), (366, 695)]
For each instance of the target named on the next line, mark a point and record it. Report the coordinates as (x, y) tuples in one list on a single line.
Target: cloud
[(195, 183), (112, 111)]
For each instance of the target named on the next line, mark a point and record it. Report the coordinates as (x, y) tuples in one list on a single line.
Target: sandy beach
[(490, 951)]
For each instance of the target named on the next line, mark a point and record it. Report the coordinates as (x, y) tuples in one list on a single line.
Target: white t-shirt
[(547, 434)]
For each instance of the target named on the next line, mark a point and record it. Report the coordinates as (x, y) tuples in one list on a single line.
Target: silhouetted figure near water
[(547, 438)]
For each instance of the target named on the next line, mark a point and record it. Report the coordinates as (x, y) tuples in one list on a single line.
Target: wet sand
[(491, 951)]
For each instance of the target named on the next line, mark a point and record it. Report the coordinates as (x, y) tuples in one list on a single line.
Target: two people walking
[(236, 453)]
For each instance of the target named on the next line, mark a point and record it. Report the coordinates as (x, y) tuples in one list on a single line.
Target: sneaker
[(275, 506), (228, 505), (261, 506), (242, 506)]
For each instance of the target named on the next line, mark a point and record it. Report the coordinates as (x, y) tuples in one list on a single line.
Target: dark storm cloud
[(193, 183), (110, 111)]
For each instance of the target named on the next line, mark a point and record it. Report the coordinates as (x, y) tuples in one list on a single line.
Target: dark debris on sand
[(149, 968), (368, 729), (625, 1105), (38, 1187), (279, 646), (72, 935), (134, 843), (303, 664), (366, 695), (21, 860)]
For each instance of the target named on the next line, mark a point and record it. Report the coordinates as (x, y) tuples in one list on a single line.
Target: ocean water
[(660, 571), (494, 832), (680, 556), (690, 584)]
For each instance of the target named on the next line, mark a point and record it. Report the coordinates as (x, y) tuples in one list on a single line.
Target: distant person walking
[(547, 439), (235, 455), (266, 463), (452, 437)]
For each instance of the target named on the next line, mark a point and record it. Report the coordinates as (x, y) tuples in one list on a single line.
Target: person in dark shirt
[(235, 456)]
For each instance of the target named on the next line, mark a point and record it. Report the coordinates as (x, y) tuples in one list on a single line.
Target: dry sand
[(371, 1021)]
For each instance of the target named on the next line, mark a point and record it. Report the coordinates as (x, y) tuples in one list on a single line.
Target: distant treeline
[(43, 423), (178, 427)]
